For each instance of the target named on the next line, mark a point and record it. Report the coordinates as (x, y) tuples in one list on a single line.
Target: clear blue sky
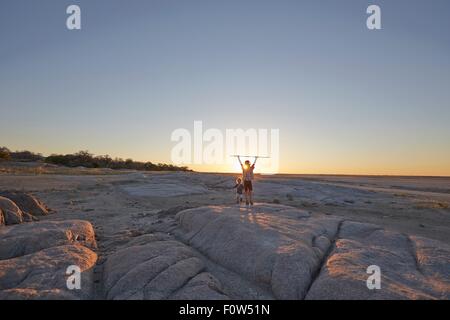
[(346, 99)]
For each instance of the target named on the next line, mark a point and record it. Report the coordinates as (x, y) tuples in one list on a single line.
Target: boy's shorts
[(248, 186)]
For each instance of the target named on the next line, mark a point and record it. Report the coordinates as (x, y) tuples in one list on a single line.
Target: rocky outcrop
[(34, 257), (11, 212), (410, 267), (26, 202), (277, 245), (203, 286), (158, 268), (18, 207), (42, 275), (217, 252), (299, 256), (28, 217), (24, 239)]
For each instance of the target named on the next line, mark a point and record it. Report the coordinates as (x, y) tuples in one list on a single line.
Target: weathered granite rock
[(42, 275), (275, 245), (203, 287), (11, 212), (285, 251), (19, 240), (411, 267), (156, 270), (300, 256), (26, 202), (33, 294), (28, 217)]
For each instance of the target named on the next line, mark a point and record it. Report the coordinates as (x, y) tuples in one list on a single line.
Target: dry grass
[(49, 169), (432, 205)]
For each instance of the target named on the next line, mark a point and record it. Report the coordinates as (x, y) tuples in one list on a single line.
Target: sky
[(346, 100)]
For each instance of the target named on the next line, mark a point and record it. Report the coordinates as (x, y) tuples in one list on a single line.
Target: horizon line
[(265, 174)]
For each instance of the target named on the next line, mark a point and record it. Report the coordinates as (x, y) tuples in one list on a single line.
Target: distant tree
[(88, 160), (5, 154), (26, 156), (103, 161), (85, 159)]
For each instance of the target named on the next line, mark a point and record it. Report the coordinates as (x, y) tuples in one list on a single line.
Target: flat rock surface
[(179, 236), (165, 186)]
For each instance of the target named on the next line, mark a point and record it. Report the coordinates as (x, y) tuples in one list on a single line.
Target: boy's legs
[(246, 190), (250, 192)]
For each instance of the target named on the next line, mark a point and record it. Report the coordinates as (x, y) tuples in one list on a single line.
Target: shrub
[(26, 156), (85, 159), (5, 154)]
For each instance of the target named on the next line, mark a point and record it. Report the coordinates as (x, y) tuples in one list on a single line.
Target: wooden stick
[(248, 156)]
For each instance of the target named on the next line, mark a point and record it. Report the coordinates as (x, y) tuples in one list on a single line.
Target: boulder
[(27, 238), (157, 270), (11, 212), (42, 275), (26, 202)]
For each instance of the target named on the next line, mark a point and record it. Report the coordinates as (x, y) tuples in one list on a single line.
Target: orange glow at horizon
[(314, 168)]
